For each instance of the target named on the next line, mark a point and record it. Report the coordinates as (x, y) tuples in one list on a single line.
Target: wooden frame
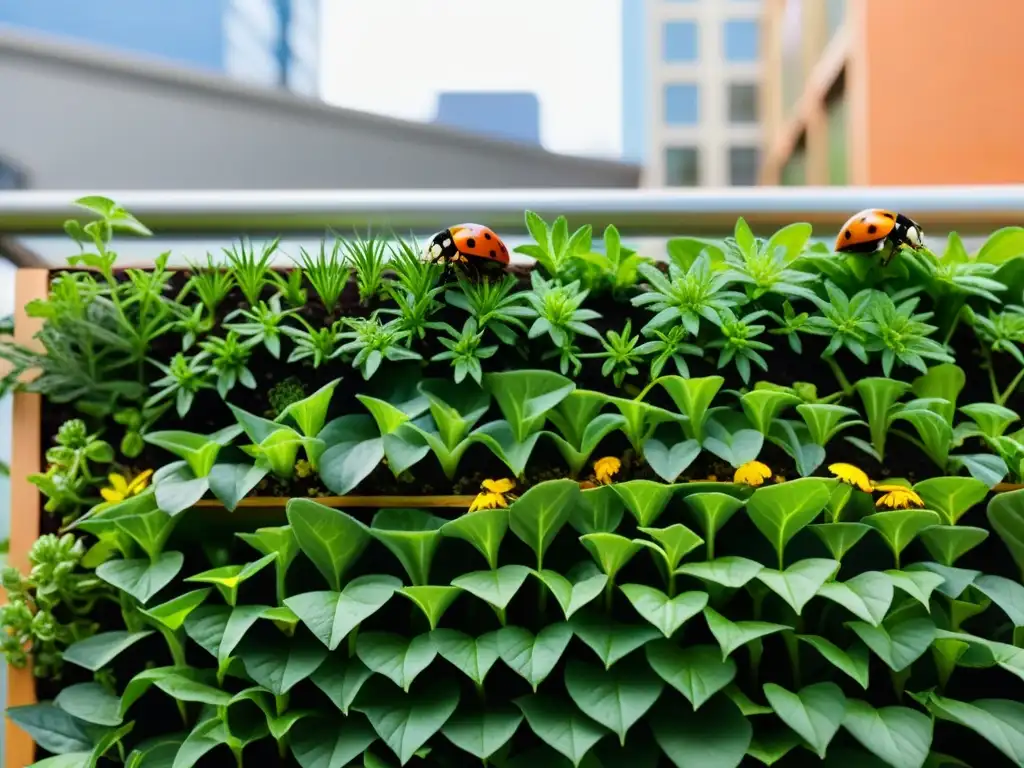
[(26, 507)]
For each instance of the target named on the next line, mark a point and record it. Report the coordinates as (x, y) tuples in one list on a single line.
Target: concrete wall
[(74, 118)]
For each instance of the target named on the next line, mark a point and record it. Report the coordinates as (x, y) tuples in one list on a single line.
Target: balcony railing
[(26, 216)]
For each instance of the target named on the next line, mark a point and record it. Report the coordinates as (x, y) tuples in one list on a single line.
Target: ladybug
[(473, 247), (871, 230)]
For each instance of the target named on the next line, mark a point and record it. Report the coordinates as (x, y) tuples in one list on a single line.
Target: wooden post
[(26, 453)]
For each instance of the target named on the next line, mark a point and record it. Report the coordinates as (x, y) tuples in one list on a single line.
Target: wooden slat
[(26, 507)]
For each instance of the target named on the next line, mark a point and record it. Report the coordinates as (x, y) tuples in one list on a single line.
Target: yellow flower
[(898, 497), (851, 475), (493, 494), (502, 486), (752, 473), (303, 468), (606, 468), (121, 488), (487, 500)]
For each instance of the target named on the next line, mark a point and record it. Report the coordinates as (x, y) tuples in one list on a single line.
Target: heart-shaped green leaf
[(533, 658), (331, 616), (559, 726), (610, 550), (331, 539), (948, 543), (853, 662), (496, 587), (540, 513), (840, 538), (482, 732), (484, 529), (712, 510), (781, 511), (665, 613), (816, 712), (577, 588), (674, 543), (611, 641), (399, 658), (697, 671), (645, 499), (405, 722), (900, 645), (867, 596), (899, 527), (616, 698), (433, 601), (731, 572), (413, 536), (474, 657), (800, 582), (899, 736), (715, 736), (732, 635)]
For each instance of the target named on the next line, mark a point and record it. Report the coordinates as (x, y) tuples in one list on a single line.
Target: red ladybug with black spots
[(873, 229), (473, 247)]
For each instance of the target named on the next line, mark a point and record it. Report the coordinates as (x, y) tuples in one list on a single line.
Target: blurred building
[(890, 92), (511, 115), (691, 82), (141, 124), (265, 42)]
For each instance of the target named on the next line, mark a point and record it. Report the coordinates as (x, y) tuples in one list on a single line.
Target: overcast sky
[(394, 56)]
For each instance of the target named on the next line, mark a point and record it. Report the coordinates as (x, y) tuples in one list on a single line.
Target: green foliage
[(670, 561)]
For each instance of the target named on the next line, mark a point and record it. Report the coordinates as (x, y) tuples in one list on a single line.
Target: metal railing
[(970, 210)]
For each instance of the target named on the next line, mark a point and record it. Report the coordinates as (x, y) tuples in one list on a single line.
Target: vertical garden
[(750, 502)]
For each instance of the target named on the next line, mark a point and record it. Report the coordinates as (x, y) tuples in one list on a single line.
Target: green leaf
[(98, 651), (149, 529), (615, 698), (228, 578), (533, 658), (898, 646), (332, 540), (998, 721), (853, 662), (178, 489), (279, 665), (482, 732), (331, 616), (665, 613), (948, 543), (763, 406), (693, 397), (610, 640), (645, 499), (559, 726), (406, 721), (496, 587), (816, 712), (610, 550), (341, 679), (1002, 246), (412, 536), (319, 743), (800, 582), (772, 746), (184, 688), (484, 529), (231, 483), (669, 461), (538, 515), (173, 613), (310, 413), (90, 703), (1008, 595), (840, 538), (867, 596), (399, 658), (898, 735), (951, 497), (355, 450), (598, 510), (731, 572), (51, 728), (576, 589), (697, 671), (1006, 516), (918, 584), (674, 543), (142, 578), (433, 601), (716, 736), (525, 397), (954, 580), (899, 527), (732, 635), (474, 657), (781, 511)]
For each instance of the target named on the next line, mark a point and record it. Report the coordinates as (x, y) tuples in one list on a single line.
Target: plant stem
[(1001, 400), (794, 657), (609, 593), (844, 383), (671, 583), (993, 384), (352, 636), (710, 544)]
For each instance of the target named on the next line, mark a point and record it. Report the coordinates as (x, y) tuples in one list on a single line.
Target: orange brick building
[(888, 92)]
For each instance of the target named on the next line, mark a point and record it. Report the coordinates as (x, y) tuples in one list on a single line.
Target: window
[(682, 167), (742, 42), (742, 103), (743, 166), (679, 40), (682, 104)]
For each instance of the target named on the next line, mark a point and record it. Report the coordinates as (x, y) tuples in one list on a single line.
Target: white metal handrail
[(702, 211)]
